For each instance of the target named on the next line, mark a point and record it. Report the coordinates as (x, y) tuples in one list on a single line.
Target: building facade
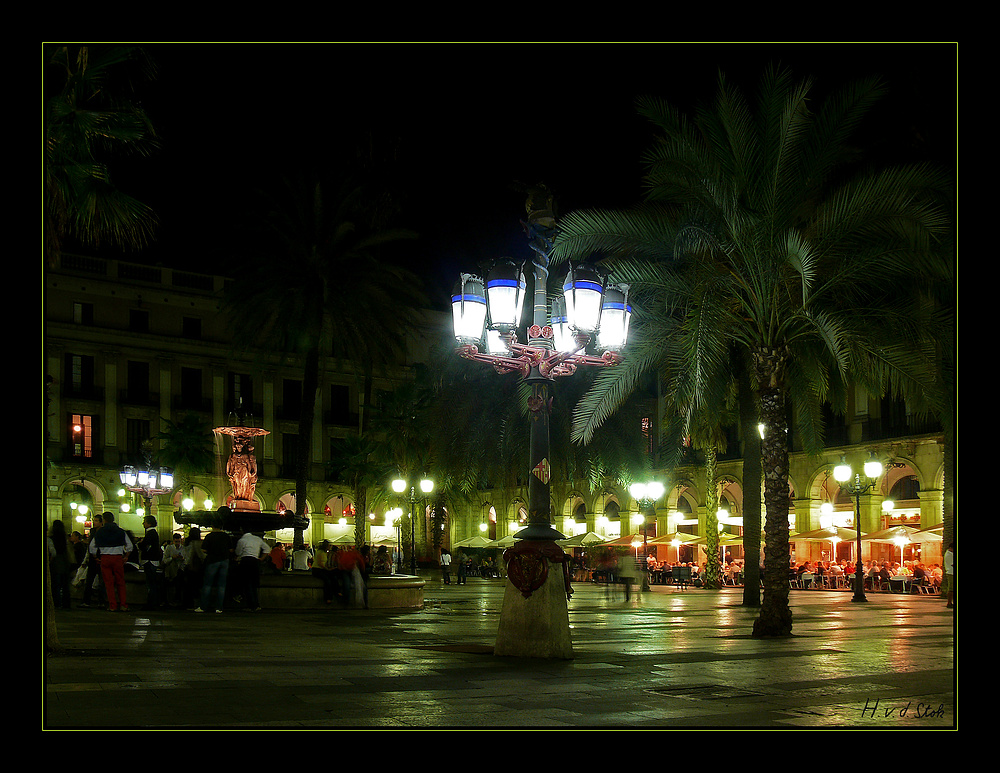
[(129, 347)]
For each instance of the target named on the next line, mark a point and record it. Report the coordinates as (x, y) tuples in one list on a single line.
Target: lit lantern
[(616, 314), (583, 290), (505, 290), (561, 334), (468, 307)]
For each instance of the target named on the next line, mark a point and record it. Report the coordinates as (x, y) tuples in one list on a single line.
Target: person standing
[(218, 547), (949, 574), (348, 559), (111, 545), (446, 566), (250, 549), (93, 564), (321, 570), (151, 554), (173, 572), (61, 564), (194, 564), (460, 569)]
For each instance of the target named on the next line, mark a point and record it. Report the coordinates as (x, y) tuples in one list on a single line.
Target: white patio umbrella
[(474, 542), (581, 540)]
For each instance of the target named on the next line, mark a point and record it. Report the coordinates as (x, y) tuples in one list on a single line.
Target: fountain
[(241, 511)]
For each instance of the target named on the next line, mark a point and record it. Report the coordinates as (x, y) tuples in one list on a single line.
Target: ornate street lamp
[(842, 473), (556, 346), (399, 485), (147, 482), (645, 495)]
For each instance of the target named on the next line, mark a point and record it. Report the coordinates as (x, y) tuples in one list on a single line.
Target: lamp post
[(842, 473), (490, 311), (426, 486), (147, 482), (645, 495)]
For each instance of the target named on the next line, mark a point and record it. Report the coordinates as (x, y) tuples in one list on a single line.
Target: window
[(340, 405), (291, 399), (81, 436), (83, 313), (138, 321), (240, 394), (191, 388), (136, 433), (191, 327), (79, 375), (137, 386)]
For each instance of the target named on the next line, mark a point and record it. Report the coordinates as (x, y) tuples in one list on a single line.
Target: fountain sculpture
[(242, 510)]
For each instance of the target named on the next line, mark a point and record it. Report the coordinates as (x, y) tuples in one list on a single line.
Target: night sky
[(470, 121)]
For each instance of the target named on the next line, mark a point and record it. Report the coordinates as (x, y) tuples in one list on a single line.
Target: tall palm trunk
[(713, 577), (775, 618), (310, 388), (751, 490)]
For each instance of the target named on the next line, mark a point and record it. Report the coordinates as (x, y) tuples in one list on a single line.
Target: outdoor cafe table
[(902, 579)]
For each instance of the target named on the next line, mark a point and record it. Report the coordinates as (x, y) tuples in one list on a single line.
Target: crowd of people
[(201, 572), (878, 574), (208, 573)]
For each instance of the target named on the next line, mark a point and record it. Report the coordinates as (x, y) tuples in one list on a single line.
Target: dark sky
[(469, 121)]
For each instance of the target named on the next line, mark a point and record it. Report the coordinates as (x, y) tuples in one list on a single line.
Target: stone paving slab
[(669, 659)]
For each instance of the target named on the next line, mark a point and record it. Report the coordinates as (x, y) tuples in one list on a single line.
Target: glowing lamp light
[(505, 291), (616, 315), (468, 308), (842, 472), (399, 485), (583, 290), (562, 336)]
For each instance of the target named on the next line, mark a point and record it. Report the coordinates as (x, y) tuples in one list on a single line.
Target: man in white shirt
[(250, 549), (110, 545)]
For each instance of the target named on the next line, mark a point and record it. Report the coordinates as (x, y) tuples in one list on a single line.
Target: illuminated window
[(81, 431)]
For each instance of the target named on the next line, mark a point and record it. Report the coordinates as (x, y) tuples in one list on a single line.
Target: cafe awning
[(628, 540), (677, 536), (725, 538), (891, 534), (581, 540), (933, 533), (503, 542), (826, 535), (474, 542)]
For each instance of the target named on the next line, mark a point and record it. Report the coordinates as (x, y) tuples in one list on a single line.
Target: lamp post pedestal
[(534, 620)]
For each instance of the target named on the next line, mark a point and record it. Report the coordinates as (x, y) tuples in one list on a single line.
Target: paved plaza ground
[(669, 659)]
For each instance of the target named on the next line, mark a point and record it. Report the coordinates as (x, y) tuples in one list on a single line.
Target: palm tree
[(357, 464), (322, 288), (187, 446), (90, 124), (769, 242)]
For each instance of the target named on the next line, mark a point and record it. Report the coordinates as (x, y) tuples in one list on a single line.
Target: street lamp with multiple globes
[(399, 485), (486, 316), (843, 474), (645, 496), (147, 482)]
